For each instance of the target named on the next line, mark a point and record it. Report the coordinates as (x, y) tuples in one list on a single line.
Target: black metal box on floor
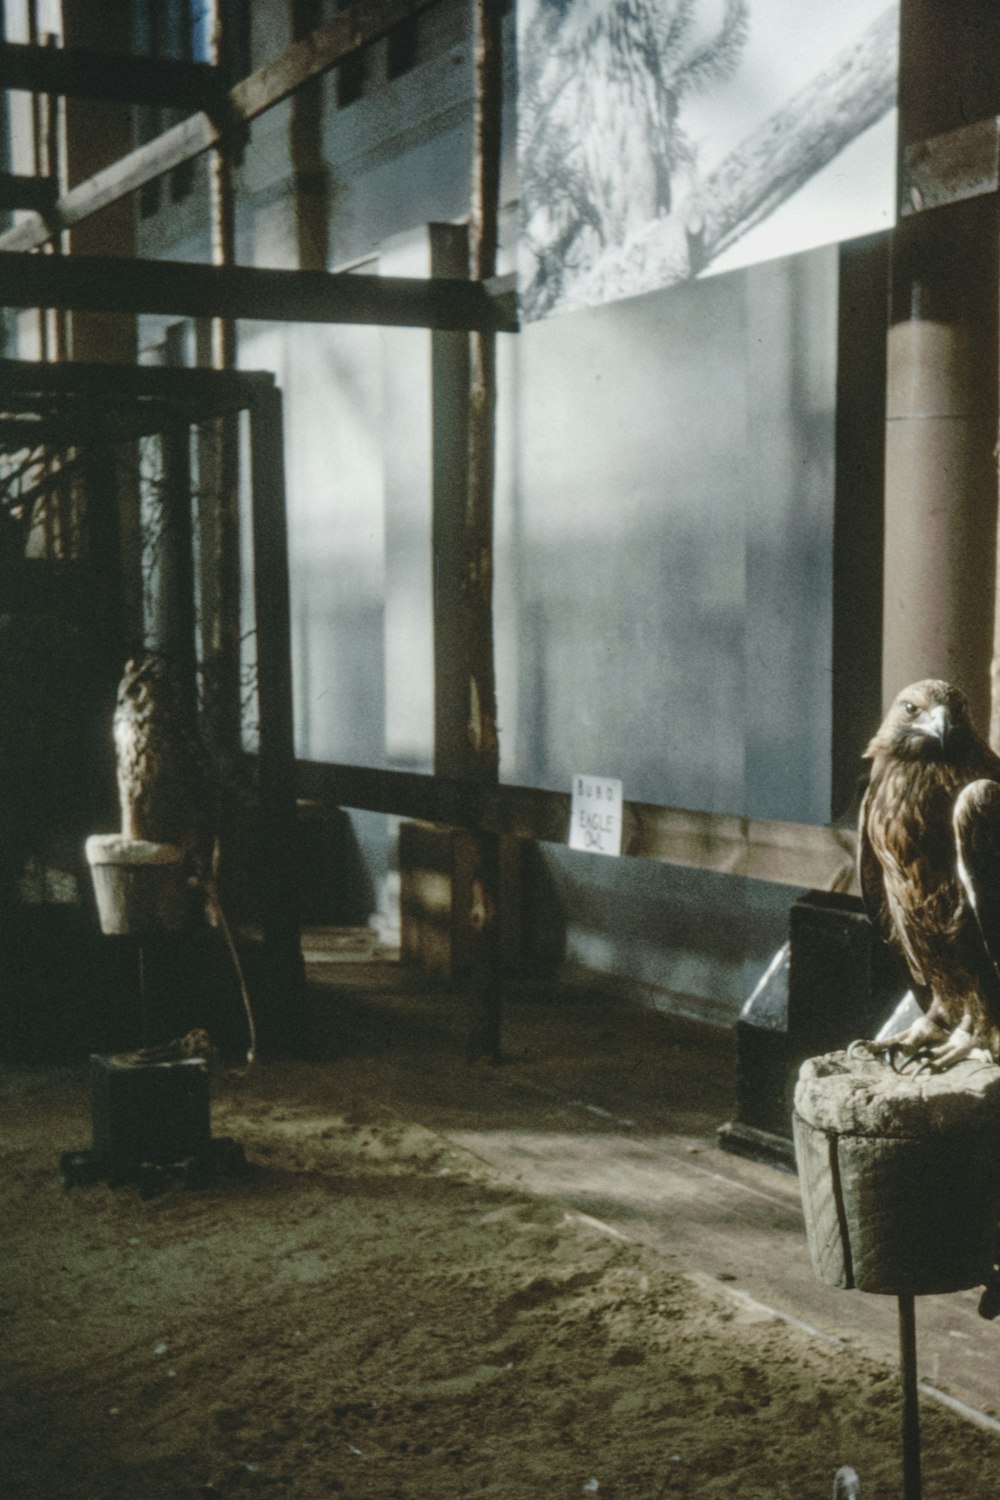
[(833, 981), (148, 1113)]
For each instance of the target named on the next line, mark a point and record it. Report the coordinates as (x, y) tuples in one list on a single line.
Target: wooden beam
[(21, 432), (219, 502), (449, 256), (25, 380), (284, 1024), (793, 854), (80, 73), (38, 193), (180, 144), (60, 405), (82, 428), (476, 647), (182, 289), (948, 168), (323, 49), (340, 37)]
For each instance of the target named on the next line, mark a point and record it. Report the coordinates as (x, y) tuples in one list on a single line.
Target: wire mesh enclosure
[(114, 540)]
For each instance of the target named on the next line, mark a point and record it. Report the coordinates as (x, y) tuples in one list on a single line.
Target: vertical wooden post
[(54, 167), (97, 133), (176, 563), (42, 166), (176, 593), (453, 754), (220, 522), (312, 186), (284, 1023), (484, 985)]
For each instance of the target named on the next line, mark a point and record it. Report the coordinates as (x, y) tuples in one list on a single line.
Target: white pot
[(140, 886)]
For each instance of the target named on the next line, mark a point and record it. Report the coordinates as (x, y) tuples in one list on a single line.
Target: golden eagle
[(929, 867)]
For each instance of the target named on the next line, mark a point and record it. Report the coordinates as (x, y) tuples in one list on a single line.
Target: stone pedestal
[(900, 1175)]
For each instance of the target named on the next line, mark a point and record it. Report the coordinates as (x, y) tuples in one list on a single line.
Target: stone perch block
[(900, 1176)]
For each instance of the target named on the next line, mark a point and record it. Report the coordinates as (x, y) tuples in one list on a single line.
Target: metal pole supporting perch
[(912, 1488), (900, 1180)]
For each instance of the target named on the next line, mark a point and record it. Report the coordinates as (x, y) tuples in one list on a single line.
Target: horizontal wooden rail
[(24, 381), (123, 77), (78, 403), (340, 37), (94, 283), (794, 854)]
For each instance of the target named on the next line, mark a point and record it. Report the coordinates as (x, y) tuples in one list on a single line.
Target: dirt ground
[(371, 1310)]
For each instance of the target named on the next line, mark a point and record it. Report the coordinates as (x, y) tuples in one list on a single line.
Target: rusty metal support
[(912, 1486)]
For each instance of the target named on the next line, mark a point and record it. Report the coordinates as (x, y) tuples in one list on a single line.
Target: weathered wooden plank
[(789, 853), (182, 289), (323, 49), (476, 647), (61, 405), (84, 74), (219, 520), (793, 854), (171, 149), (20, 378), (951, 167)]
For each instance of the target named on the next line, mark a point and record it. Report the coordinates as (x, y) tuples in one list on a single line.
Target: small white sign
[(595, 823)]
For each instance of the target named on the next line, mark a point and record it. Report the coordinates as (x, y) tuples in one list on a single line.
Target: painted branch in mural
[(615, 200)]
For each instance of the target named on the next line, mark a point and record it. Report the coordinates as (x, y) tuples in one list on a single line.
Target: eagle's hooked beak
[(935, 723)]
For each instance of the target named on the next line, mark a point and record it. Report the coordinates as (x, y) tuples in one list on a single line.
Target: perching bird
[(929, 868), (164, 786)]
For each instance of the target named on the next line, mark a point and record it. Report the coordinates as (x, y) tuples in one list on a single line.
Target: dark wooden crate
[(150, 1113)]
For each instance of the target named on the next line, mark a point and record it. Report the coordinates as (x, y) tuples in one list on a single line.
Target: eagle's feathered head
[(928, 720)]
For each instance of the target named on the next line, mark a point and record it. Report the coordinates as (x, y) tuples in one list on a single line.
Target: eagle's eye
[(910, 709)]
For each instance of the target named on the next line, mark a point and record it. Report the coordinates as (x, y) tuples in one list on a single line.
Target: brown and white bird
[(167, 792), (929, 868), (164, 785)]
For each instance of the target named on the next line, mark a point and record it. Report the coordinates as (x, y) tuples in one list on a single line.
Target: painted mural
[(661, 140)]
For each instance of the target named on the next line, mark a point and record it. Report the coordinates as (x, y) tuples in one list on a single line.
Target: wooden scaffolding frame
[(89, 407), (481, 305)]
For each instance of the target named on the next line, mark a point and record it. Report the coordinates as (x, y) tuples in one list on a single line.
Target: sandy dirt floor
[(372, 1310)]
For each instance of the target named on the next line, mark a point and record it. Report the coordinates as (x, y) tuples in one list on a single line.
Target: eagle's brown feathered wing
[(929, 861)]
